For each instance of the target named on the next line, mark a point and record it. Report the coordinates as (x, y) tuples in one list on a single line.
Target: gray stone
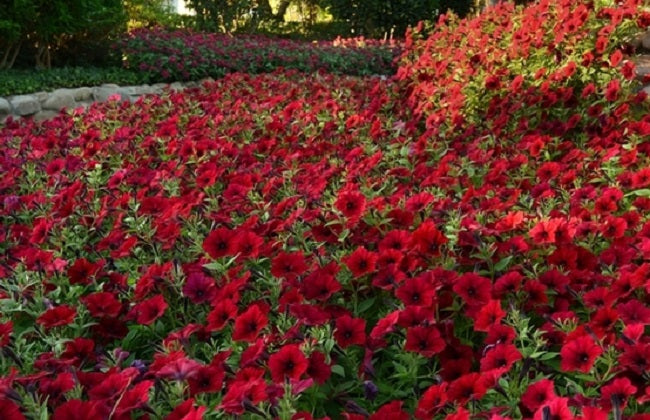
[(646, 89), (41, 96), (45, 115), (82, 94), (25, 104), (645, 40), (110, 85), (59, 99), (178, 86), (102, 93), (5, 107)]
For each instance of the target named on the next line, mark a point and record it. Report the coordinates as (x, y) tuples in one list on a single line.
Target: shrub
[(15, 82)]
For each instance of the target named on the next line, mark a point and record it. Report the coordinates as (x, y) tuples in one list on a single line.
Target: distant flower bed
[(185, 55)]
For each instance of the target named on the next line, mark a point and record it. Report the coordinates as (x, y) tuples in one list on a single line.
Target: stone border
[(45, 105)]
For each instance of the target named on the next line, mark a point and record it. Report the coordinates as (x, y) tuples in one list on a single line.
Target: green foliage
[(43, 27), (222, 16), (14, 82), (375, 18), (152, 13)]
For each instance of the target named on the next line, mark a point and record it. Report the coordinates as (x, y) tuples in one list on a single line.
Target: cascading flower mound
[(471, 239)]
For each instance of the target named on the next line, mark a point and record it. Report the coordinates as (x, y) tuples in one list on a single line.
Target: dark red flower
[(427, 239), (617, 393), (501, 356), (249, 324), (467, 387), (538, 394), (102, 305), (431, 402), (556, 409), (474, 289), (206, 379), (220, 243), (289, 265), (149, 310), (350, 331), (77, 410), (57, 316), (222, 312), (426, 341), (199, 288), (288, 362), (352, 204), (579, 354), (361, 261), (82, 271), (187, 411), (248, 244), (391, 411), (319, 286), (416, 291), (490, 314), (318, 369)]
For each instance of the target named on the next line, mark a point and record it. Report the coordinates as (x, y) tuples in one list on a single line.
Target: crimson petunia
[(289, 362), (579, 354), (361, 261), (57, 316), (249, 324), (350, 331)]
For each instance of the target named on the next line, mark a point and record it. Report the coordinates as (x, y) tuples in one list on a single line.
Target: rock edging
[(45, 105)]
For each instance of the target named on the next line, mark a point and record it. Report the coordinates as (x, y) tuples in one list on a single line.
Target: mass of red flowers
[(470, 239)]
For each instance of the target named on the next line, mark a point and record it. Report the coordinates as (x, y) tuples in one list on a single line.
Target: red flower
[(248, 244), (544, 231), (474, 289), (350, 331), (219, 243), (538, 394), (289, 265), (112, 385), (222, 312), (319, 286), (318, 370), (361, 261), (147, 311), (556, 409), (579, 354), (289, 362), (490, 314), (249, 324), (82, 271), (467, 387), (432, 401), (391, 411), (351, 203), (59, 385), (206, 379), (426, 341), (77, 410), (58, 316), (102, 305), (612, 90), (616, 393), (501, 356), (6, 328), (427, 239), (199, 288), (10, 411), (416, 291), (186, 411)]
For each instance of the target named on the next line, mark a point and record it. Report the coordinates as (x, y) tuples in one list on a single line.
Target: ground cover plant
[(469, 240), (188, 55)]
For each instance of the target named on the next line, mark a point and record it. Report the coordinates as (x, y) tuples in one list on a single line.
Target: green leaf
[(338, 369), (501, 265), (644, 192)]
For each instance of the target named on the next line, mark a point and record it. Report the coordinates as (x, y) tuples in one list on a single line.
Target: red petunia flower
[(579, 354), (149, 310), (556, 409), (82, 271), (417, 291), (199, 288), (427, 239), (102, 305), (350, 331), (206, 379), (10, 411), (361, 261), (352, 204), (474, 289), (76, 409), (319, 286), (248, 244), (431, 402), (289, 265), (56, 317), (468, 387), (318, 369), (617, 393), (538, 394), (249, 324), (187, 411), (391, 411), (219, 243), (222, 312), (544, 231), (501, 356), (288, 362), (424, 340), (490, 314)]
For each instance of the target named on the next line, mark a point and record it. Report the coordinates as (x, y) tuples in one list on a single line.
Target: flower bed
[(299, 246), (186, 55)]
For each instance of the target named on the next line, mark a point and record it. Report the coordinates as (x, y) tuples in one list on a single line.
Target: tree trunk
[(282, 10)]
